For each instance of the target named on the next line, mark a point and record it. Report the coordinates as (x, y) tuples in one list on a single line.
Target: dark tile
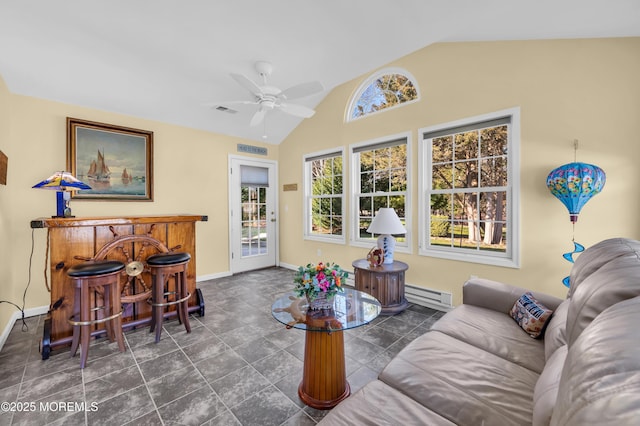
[(361, 350), (99, 367), (226, 418), (163, 365), (115, 383), (289, 386), (195, 408), (278, 365), (241, 335), (11, 375), (175, 385), (398, 326), (256, 349), (65, 406), (239, 385), (205, 349), (256, 369), (42, 387), (122, 408), (219, 366), (267, 407), (381, 337), (153, 350), (152, 418), (361, 377)]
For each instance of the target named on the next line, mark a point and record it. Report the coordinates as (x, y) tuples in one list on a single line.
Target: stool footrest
[(98, 321), (174, 302)]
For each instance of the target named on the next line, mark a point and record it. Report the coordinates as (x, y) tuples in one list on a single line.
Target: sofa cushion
[(462, 382), (546, 390), (615, 281), (597, 256), (600, 382), (555, 334), (379, 404), (494, 332), (530, 315)]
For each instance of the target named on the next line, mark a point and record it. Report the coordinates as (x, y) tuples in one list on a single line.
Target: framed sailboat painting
[(116, 162)]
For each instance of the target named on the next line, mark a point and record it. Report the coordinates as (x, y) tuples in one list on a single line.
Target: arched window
[(385, 89)]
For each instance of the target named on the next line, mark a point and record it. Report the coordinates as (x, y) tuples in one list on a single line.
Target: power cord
[(25, 327)]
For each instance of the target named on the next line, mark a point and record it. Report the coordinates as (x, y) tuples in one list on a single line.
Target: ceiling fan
[(269, 98)]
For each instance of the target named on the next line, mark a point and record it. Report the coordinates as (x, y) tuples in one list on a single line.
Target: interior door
[(253, 216)]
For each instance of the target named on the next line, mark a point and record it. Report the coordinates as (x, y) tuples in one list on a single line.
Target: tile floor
[(238, 366)]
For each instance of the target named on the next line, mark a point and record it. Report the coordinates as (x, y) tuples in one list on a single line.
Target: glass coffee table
[(324, 379)]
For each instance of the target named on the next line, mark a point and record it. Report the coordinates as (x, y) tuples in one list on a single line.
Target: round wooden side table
[(384, 282)]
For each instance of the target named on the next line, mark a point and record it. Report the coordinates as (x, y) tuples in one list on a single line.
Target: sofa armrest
[(499, 296)]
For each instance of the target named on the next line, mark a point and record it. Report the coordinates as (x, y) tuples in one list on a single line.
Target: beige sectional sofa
[(476, 366)]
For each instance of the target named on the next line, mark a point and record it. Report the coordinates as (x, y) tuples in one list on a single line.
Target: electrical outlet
[(473, 277), (319, 253)]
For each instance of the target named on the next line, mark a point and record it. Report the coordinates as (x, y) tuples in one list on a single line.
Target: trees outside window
[(324, 209), (469, 174), (380, 180), (385, 89)]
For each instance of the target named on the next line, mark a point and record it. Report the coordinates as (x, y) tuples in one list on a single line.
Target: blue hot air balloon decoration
[(574, 184)]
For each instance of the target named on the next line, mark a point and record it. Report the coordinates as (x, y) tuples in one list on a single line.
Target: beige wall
[(6, 288), (566, 89), (190, 176)]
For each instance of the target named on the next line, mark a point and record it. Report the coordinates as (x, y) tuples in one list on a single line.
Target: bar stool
[(101, 276), (162, 267)]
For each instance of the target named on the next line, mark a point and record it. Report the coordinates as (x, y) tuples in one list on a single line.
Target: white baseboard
[(213, 276), (31, 312)]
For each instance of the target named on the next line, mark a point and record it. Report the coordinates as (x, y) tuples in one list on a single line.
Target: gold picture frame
[(115, 161)]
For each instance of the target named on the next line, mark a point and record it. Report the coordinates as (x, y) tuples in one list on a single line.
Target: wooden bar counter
[(128, 239)]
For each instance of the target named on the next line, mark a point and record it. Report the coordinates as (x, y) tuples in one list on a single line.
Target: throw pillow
[(530, 314)]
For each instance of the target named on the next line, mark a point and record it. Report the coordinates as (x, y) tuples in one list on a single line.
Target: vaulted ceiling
[(166, 59)]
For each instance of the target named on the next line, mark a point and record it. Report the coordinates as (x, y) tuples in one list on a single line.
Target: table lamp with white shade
[(386, 222)]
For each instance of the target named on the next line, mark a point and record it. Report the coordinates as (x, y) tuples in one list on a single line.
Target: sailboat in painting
[(98, 170), (126, 177)]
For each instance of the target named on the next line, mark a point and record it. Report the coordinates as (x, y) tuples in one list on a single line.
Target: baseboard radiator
[(434, 299)]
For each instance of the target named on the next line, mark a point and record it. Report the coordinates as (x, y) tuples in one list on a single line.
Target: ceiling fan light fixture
[(269, 98)]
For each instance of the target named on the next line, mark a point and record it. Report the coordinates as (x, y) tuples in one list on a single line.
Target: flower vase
[(319, 302)]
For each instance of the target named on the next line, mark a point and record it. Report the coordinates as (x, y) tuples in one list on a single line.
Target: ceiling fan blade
[(297, 110), (302, 90), (252, 87), (258, 117)]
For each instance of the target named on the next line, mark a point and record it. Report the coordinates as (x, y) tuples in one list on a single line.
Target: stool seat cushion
[(89, 269), (166, 259)]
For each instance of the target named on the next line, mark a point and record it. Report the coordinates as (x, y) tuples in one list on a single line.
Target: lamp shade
[(386, 221), (574, 184), (61, 181)]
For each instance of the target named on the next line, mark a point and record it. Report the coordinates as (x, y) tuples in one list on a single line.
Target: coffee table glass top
[(351, 309)]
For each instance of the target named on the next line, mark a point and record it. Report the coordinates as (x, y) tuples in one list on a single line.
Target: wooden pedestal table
[(384, 282), (128, 239), (324, 380)]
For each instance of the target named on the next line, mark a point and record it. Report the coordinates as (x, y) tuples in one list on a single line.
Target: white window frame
[(354, 237), (511, 258), (366, 83), (308, 235)]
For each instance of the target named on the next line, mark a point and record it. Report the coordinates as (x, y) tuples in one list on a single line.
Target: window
[(380, 176), (470, 171), (324, 196), (385, 89)]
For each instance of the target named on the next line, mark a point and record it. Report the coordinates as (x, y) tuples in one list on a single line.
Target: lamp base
[(62, 204), (388, 245)]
